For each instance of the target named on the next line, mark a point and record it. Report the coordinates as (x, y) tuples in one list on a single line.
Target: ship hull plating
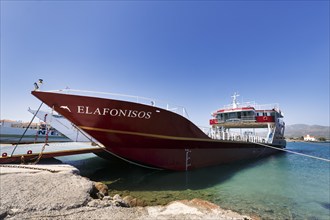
[(148, 135)]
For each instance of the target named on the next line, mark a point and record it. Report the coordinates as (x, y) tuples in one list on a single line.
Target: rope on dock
[(28, 167), (293, 152)]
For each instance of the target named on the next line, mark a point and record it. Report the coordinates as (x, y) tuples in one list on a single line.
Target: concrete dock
[(59, 192)]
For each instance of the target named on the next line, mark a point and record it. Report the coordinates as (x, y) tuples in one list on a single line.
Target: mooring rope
[(28, 167), (293, 152), (46, 142), (26, 130)]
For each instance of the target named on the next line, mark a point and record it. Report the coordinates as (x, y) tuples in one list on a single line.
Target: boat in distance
[(62, 125), (144, 133), (11, 132)]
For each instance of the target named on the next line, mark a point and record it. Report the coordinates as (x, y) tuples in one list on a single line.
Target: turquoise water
[(282, 186)]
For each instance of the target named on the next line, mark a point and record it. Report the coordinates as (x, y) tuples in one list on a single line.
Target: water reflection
[(282, 186), (123, 176)]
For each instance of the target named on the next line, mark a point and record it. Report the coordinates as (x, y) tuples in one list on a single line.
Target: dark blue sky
[(192, 53)]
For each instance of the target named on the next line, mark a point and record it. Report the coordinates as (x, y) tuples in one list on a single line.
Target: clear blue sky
[(191, 53)]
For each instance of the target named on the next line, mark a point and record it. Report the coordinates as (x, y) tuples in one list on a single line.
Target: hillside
[(298, 130)]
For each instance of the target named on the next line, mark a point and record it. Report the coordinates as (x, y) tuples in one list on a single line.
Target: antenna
[(235, 103)]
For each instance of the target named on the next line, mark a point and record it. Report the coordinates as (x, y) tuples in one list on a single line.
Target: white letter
[(141, 115), (114, 112), (87, 112), (80, 109), (97, 111), (105, 110), (122, 112), (148, 116)]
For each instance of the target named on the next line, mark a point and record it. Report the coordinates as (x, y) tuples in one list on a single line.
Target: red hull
[(148, 135)]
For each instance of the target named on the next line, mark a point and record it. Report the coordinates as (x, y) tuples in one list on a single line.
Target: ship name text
[(113, 112)]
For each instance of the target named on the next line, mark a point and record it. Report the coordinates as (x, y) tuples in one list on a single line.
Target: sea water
[(282, 186)]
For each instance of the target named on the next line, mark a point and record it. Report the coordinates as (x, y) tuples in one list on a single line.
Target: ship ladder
[(188, 158)]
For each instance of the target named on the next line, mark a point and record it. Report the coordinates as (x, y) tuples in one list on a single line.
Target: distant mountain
[(298, 130)]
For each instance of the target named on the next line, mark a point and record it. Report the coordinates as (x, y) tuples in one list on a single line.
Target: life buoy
[(265, 118), (4, 154), (29, 152)]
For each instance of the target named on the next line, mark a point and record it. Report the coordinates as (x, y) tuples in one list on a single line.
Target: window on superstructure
[(232, 115), (220, 117), (250, 113)]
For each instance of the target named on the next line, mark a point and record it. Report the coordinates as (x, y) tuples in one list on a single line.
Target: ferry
[(62, 125), (146, 133), (75, 134), (74, 142), (12, 132)]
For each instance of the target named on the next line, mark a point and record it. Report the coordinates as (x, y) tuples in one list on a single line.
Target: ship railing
[(232, 136), (235, 120), (254, 105), (206, 130), (130, 98)]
